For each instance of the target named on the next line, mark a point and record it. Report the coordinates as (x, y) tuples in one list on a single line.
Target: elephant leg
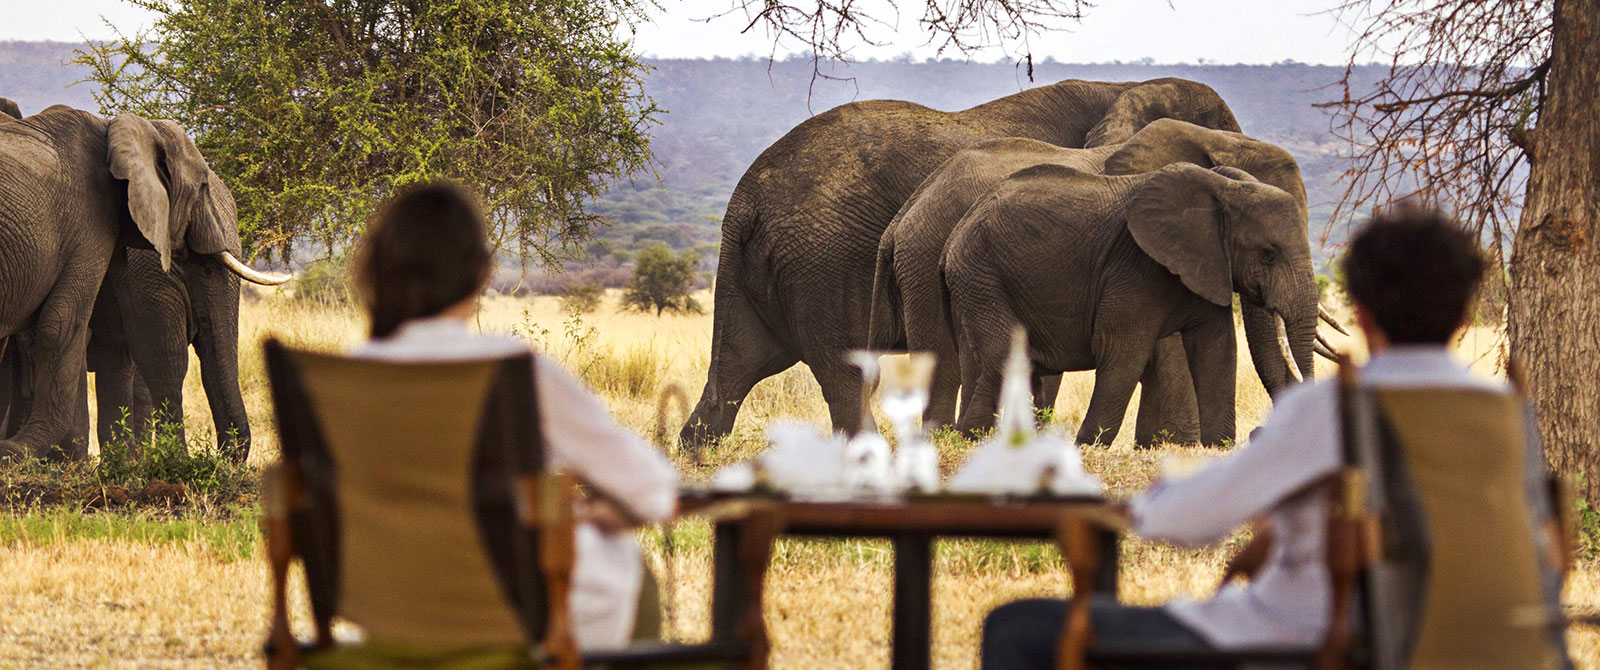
[(1118, 367), (928, 328), (75, 444), (1045, 389), (1211, 350), (743, 352), (1168, 412), (142, 410), (983, 323), (155, 310), (60, 335), (841, 389), (113, 391)]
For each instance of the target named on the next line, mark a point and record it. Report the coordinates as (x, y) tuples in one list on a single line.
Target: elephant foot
[(12, 450)]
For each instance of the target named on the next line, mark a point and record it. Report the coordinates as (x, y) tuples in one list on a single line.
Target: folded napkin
[(799, 458), (1046, 462)]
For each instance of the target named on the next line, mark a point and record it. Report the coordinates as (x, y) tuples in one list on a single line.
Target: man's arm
[(1297, 444)]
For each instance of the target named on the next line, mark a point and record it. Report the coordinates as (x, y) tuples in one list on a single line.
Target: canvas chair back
[(409, 474), (1455, 583)]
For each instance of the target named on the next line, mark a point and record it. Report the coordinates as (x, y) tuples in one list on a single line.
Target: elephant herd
[(120, 250), (1116, 222)]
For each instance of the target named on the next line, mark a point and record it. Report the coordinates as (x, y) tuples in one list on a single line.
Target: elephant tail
[(886, 330)]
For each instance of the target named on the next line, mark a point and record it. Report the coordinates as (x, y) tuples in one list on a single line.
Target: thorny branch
[(1465, 78), (830, 28)]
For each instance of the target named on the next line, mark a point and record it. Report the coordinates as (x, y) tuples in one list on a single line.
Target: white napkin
[(801, 457), (1048, 462)]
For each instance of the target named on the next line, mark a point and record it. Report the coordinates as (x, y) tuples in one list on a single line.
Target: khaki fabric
[(1464, 451), (413, 567)]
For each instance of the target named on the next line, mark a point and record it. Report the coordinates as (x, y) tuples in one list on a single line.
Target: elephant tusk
[(252, 275), (1326, 344), (1326, 352), (1288, 356), (1327, 317)]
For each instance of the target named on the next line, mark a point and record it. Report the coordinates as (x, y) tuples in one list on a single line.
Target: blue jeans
[(1023, 635)]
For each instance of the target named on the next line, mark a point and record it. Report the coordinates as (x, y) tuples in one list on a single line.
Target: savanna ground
[(90, 583)]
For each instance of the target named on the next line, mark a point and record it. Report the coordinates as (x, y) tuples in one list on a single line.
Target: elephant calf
[(1098, 268)]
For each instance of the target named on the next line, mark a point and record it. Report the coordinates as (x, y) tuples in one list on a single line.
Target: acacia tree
[(662, 282), (313, 110), (1491, 107)]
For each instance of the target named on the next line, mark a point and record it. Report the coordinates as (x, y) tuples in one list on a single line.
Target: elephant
[(800, 234), (144, 321), (74, 189), (8, 107), (1098, 268), (910, 309)]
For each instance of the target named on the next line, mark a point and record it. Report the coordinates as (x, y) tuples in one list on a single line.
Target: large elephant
[(794, 275), (1098, 268), (145, 319), (74, 188), (910, 308)]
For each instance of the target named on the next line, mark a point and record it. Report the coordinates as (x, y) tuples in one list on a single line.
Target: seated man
[(1412, 275)]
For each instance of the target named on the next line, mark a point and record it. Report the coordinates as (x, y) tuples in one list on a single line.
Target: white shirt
[(1288, 601), (581, 438)]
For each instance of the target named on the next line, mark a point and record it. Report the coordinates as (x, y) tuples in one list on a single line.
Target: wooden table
[(911, 525)]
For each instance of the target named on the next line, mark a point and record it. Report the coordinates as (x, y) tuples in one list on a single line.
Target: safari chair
[(1432, 550), (417, 498)]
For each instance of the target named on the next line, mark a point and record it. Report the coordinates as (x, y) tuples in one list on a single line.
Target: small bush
[(163, 456), (635, 373), (582, 298), (325, 281)]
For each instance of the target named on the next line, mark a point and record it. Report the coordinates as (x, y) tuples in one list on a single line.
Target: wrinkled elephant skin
[(799, 239)]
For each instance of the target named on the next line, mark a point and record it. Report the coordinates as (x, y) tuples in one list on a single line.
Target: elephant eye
[(1269, 255)]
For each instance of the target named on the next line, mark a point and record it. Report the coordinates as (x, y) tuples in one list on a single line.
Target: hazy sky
[(1175, 31)]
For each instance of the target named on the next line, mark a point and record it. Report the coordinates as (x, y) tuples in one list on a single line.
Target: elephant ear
[(136, 157), (1178, 99), (216, 228), (1176, 217), (1166, 141)]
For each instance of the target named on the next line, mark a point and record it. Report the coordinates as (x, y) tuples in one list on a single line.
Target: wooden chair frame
[(545, 506), (1354, 544)]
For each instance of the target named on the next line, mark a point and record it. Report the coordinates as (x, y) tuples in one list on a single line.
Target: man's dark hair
[(1416, 271), (426, 250)]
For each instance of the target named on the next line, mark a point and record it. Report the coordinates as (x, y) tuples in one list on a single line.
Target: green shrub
[(325, 281), (582, 298), (162, 455)]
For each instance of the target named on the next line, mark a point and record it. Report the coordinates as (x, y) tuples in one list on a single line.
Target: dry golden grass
[(115, 604)]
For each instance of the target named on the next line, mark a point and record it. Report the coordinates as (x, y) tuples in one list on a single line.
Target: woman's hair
[(426, 250)]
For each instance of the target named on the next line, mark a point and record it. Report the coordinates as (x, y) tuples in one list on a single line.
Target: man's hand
[(1249, 560), (604, 514)]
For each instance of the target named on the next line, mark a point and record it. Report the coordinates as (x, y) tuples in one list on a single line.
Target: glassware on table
[(903, 394), (866, 455), (1016, 416)]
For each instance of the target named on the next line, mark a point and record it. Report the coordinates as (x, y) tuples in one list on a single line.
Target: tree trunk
[(1555, 264)]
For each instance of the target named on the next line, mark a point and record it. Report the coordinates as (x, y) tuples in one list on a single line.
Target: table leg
[(728, 597), (1105, 580), (911, 644)]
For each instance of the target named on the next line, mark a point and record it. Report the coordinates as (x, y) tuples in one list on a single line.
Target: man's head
[(1412, 273)]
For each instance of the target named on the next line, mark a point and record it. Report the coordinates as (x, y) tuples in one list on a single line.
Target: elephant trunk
[(1282, 339), (215, 301)]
